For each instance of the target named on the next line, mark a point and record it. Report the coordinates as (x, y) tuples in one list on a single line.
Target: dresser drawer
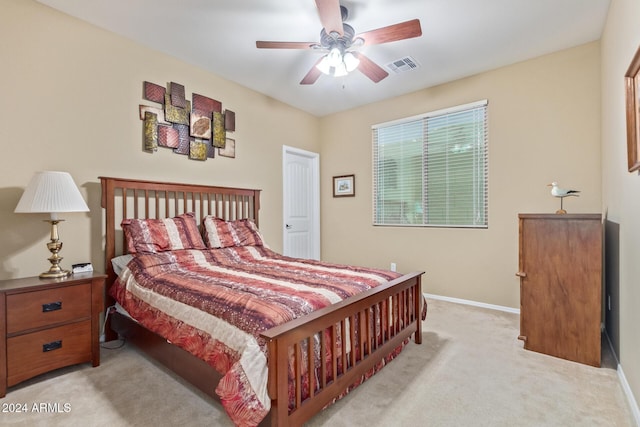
[(39, 352), (30, 310)]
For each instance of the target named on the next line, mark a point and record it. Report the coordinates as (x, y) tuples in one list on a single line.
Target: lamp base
[(54, 246), (54, 274)]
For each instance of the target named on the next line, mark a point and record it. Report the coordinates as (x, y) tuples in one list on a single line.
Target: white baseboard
[(633, 403), (474, 303)]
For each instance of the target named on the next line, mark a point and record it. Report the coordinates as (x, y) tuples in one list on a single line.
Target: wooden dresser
[(560, 270), (46, 324)]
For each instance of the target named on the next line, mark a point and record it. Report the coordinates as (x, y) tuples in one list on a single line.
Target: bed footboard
[(368, 326)]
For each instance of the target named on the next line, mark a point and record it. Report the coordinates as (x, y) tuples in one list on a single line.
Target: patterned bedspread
[(214, 303)]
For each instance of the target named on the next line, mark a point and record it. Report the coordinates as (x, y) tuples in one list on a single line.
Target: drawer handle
[(54, 345), (52, 306)]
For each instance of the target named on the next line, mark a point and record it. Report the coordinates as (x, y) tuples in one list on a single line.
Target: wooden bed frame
[(126, 198)]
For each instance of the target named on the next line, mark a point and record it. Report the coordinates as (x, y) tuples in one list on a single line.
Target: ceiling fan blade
[(285, 45), (330, 15), (312, 75), (370, 68), (392, 33)]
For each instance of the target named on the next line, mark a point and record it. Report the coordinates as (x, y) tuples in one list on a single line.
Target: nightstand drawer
[(39, 352), (30, 310)]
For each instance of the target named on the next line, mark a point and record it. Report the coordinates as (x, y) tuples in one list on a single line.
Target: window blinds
[(432, 169)]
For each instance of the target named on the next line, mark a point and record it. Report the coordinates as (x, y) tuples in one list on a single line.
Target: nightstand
[(46, 324)]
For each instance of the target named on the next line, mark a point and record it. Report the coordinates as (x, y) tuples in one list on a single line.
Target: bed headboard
[(132, 198)]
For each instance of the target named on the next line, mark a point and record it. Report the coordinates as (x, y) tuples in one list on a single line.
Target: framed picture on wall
[(632, 92), (344, 186)]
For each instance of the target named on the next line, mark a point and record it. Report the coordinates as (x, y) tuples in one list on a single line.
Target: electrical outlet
[(393, 266)]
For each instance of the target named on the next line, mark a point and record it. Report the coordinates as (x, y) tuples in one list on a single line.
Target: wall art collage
[(196, 128)]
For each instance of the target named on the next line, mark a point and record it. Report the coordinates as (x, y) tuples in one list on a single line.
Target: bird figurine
[(561, 193)]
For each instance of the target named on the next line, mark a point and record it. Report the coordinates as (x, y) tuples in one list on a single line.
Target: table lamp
[(52, 192)]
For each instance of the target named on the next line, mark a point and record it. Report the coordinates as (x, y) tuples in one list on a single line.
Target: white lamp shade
[(340, 70), (334, 57), (324, 66), (350, 62), (51, 192)]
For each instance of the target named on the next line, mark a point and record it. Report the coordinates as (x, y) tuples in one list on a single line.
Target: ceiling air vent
[(403, 64)]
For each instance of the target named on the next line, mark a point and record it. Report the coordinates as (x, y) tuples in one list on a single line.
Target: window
[(432, 169)]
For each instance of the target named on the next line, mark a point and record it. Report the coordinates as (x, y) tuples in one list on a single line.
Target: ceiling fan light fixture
[(340, 70), (324, 66), (336, 64), (334, 57), (350, 61)]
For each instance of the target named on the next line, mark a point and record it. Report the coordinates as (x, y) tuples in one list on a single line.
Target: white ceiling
[(459, 38)]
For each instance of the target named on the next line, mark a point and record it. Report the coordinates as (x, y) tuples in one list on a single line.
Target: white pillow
[(120, 262)]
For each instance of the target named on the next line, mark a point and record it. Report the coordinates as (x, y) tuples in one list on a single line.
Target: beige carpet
[(470, 371)]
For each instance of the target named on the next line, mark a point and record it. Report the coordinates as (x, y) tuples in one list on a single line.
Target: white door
[(301, 197)]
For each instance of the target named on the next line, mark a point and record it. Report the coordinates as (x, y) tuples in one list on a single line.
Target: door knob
[(287, 226)]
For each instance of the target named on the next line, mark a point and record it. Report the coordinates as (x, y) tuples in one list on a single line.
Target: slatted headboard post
[(131, 198)]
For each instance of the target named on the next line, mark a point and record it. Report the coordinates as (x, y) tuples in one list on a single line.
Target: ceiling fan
[(338, 38)]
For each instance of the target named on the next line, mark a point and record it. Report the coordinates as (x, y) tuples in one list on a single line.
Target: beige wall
[(621, 191), (544, 125), (70, 96)]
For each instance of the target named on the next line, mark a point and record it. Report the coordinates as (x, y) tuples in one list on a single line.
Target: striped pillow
[(159, 235), (222, 234)]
